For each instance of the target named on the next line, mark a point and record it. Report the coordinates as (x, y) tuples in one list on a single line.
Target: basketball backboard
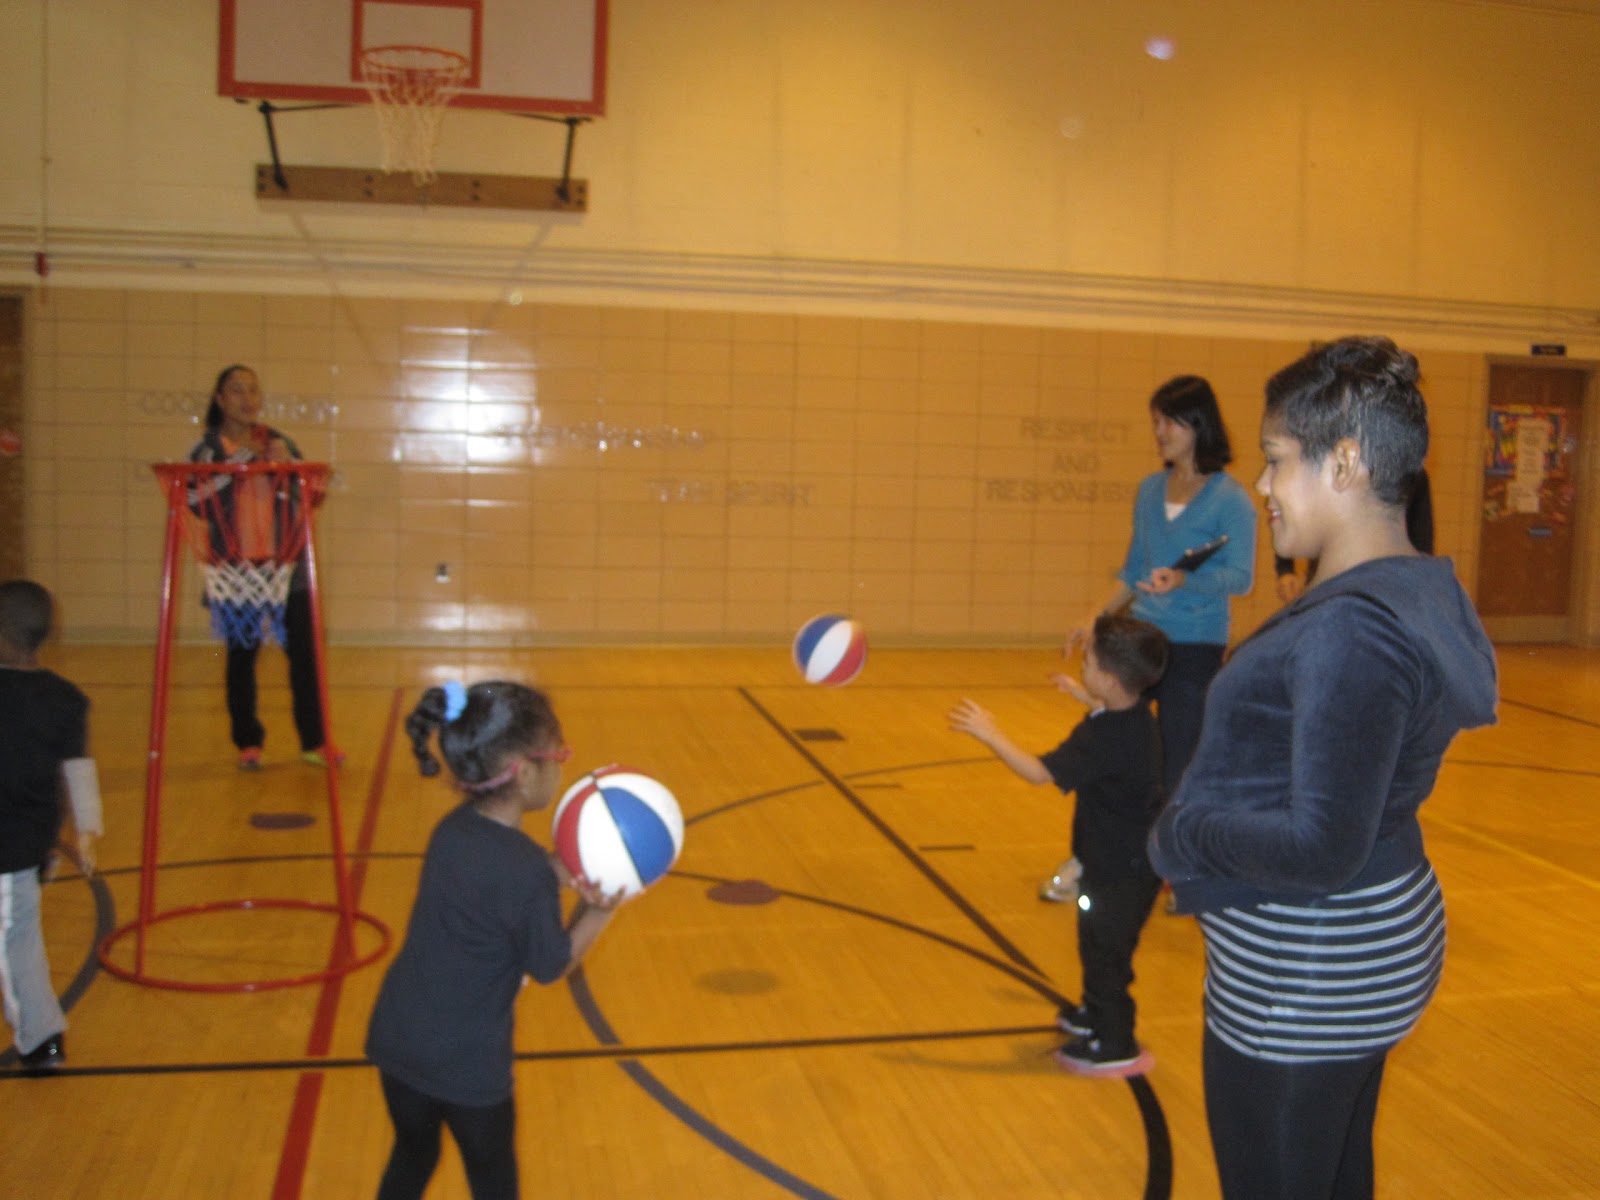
[(531, 56)]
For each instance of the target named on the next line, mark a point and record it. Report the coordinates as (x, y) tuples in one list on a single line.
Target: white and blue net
[(247, 601)]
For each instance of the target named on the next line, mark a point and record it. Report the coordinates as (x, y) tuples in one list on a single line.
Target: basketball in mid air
[(830, 650)]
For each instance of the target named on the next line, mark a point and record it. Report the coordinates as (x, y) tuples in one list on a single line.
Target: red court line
[(308, 1090)]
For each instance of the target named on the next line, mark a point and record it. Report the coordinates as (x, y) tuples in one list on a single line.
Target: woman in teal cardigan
[(1191, 502)]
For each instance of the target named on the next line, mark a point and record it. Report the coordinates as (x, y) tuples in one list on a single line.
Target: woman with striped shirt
[(1294, 835)]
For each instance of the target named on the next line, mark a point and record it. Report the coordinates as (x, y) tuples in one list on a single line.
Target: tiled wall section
[(592, 474)]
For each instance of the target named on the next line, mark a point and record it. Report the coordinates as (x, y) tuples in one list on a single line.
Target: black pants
[(1300, 1131), (486, 1138), (1110, 918), (241, 681), (1180, 699)]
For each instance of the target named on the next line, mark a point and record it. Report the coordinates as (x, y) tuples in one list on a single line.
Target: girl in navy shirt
[(487, 915)]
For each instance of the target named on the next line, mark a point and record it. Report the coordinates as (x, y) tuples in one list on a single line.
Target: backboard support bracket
[(360, 185), (267, 108)]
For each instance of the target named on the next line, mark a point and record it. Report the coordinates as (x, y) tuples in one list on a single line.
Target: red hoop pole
[(176, 479), (341, 870), (171, 566)]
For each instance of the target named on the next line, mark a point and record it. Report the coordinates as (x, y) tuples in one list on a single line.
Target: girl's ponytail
[(424, 721)]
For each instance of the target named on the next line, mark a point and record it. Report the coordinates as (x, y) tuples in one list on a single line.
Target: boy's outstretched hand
[(1077, 639), (968, 717), (1066, 683)]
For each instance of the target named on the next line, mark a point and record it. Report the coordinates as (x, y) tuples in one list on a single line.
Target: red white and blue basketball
[(619, 829), (830, 650)]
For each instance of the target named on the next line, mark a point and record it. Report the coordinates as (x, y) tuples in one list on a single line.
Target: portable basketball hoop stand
[(531, 193), (298, 486)]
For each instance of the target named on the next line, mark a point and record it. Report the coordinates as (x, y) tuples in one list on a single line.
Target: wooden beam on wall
[(361, 185)]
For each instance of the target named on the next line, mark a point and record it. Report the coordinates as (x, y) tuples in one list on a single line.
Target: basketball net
[(411, 86), (247, 525)]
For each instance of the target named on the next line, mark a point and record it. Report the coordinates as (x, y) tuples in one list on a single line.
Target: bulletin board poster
[(1529, 457)]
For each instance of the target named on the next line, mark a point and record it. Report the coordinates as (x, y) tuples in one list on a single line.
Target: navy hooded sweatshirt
[(1323, 736)]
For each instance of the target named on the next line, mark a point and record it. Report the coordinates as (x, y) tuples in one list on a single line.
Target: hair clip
[(455, 699)]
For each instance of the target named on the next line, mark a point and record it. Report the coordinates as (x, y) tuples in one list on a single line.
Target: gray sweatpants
[(31, 1007)]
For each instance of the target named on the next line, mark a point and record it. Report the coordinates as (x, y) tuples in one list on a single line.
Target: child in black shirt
[(44, 770), (1112, 760)]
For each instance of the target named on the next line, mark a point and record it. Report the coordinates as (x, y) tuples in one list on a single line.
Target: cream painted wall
[(597, 473), (1291, 167)]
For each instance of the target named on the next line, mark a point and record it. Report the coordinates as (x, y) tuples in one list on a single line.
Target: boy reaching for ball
[(1112, 760)]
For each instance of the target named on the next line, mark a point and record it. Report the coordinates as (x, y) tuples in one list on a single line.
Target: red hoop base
[(103, 951)]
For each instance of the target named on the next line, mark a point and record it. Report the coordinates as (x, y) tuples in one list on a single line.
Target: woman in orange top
[(236, 434)]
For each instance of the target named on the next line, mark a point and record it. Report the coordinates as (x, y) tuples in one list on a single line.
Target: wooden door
[(1530, 501)]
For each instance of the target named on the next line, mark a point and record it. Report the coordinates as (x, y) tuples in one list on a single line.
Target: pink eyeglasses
[(559, 755)]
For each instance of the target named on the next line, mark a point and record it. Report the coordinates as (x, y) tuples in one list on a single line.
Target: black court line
[(737, 1150), (612, 1053), (1550, 712), (1011, 950), (1029, 977), (674, 1104), (316, 856), (756, 799), (1516, 766), (986, 759), (105, 920)]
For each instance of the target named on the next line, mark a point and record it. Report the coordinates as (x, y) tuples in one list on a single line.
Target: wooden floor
[(873, 1022)]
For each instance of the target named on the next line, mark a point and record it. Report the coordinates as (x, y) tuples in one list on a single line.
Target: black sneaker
[(1091, 1056), (46, 1056), (1074, 1019)]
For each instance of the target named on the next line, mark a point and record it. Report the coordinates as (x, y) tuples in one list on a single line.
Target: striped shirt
[(245, 519), (1339, 976)]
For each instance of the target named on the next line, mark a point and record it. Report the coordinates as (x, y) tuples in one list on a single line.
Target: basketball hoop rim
[(448, 61), (410, 98), (168, 471)]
